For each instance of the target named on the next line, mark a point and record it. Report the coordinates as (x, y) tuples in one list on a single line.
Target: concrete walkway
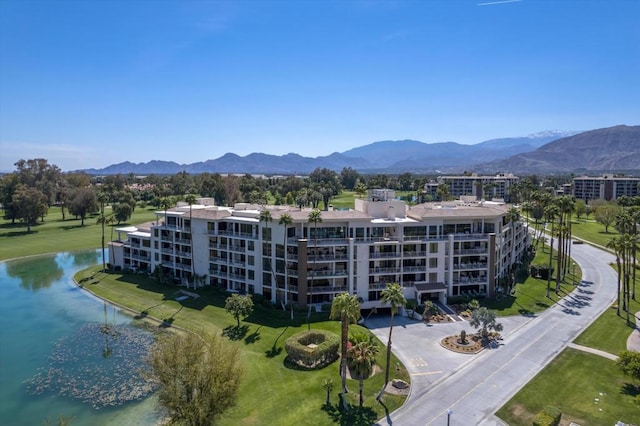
[(593, 351), (633, 342)]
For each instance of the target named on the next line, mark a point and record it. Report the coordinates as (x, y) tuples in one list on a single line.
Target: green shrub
[(541, 271), (549, 416), (324, 353)]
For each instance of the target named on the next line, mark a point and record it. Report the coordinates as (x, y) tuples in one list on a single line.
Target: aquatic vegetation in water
[(101, 365)]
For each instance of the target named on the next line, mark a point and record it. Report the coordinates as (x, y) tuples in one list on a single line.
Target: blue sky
[(91, 83)]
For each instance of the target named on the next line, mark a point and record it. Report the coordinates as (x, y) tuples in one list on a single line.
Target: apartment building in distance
[(481, 187), (607, 187), (432, 250)]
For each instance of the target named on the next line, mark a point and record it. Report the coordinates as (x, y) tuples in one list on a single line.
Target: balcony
[(340, 273), (482, 250), (327, 289), (383, 255), (419, 268), (470, 265), (414, 254), (394, 270), (324, 257)]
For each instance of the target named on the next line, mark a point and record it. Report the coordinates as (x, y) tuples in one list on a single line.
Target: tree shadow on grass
[(253, 337), (353, 416), (234, 332), (275, 349), (630, 389)]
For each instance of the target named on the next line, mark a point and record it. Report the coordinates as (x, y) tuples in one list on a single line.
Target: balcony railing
[(384, 270), (340, 273), (383, 255), (327, 289), (471, 265)]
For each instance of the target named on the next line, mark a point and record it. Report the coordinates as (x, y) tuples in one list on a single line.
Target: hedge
[(324, 353), (549, 416)]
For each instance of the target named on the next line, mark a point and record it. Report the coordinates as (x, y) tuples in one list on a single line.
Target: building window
[(433, 247), (433, 262)]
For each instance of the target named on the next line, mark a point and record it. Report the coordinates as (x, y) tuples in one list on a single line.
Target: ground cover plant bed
[(471, 344), (285, 393)]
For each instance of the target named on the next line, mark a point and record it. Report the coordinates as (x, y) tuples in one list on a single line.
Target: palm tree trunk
[(550, 261), (619, 275), (343, 355), (361, 389)]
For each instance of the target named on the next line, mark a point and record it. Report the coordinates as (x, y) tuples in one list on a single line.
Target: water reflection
[(87, 258), (35, 275)]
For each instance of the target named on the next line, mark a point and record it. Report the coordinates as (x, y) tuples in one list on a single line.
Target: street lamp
[(449, 412)]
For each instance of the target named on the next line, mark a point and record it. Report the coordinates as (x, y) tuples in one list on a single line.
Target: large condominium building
[(607, 187), (432, 250), (482, 187)]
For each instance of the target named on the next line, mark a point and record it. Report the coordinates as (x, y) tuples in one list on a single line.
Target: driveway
[(474, 387)]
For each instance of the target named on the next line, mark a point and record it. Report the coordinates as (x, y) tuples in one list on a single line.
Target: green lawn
[(588, 389), (591, 230), (54, 234), (272, 392), (529, 296), (610, 332)]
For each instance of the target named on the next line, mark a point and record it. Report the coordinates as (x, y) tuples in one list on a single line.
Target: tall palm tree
[(513, 216), (265, 216), (166, 203), (346, 308), (315, 217), (614, 244), (285, 220), (361, 358), (103, 198), (629, 243), (635, 215), (392, 295), (191, 200), (550, 213)]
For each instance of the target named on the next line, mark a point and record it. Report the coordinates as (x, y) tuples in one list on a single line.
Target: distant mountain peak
[(407, 155), (554, 133)]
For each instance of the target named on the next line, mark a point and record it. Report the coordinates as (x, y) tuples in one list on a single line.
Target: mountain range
[(609, 149)]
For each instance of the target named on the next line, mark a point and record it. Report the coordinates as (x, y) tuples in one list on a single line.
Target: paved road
[(473, 387)]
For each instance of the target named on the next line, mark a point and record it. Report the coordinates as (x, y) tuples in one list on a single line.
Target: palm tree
[(285, 220), (550, 213), (166, 203), (629, 243), (327, 385), (315, 216), (362, 358), (513, 216), (392, 295), (346, 308), (103, 198), (191, 200), (614, 244), (265, 216)]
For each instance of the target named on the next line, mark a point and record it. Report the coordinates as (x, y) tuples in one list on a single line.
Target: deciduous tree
[(199, 379), (240, 306)]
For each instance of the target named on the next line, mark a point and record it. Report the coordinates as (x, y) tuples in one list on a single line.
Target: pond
[(65, 352)]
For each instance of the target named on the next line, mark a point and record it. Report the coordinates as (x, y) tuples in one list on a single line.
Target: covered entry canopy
[(426, 291)]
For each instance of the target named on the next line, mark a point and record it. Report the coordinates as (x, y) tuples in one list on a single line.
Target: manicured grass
[(272, 392), (588, 389), (592, 231), (610, 332), (55, 235), (346, 200), (529, 296)]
